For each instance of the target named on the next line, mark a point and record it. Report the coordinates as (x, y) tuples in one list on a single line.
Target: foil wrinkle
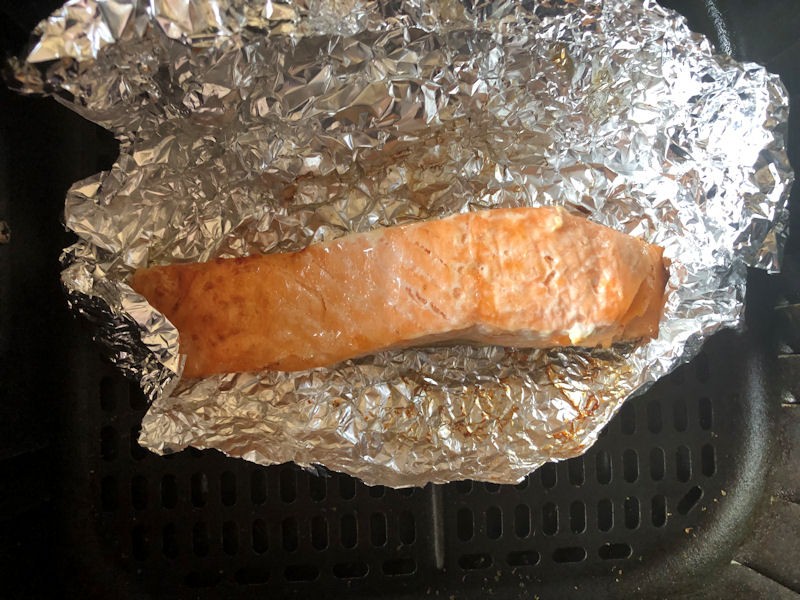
[(261, 126)]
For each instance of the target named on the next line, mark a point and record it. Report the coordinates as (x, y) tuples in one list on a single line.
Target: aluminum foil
[(266, 126)]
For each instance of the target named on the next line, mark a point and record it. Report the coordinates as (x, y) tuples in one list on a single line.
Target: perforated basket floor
[(661, 482), (655, 509)]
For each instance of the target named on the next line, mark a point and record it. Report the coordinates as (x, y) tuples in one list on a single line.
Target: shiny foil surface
[(255, 127)]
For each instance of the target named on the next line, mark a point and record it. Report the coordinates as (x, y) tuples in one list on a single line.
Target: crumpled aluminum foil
[(263, 126)]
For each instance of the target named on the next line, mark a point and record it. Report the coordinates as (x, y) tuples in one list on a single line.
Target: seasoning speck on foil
[(254, 127)]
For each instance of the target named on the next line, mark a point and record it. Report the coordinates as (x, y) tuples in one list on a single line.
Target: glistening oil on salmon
[(526, 277)]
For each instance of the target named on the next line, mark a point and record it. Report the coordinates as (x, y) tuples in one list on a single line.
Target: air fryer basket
[(691, 490)]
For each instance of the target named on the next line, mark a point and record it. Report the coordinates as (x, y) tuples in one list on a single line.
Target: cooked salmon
[(525, 277)]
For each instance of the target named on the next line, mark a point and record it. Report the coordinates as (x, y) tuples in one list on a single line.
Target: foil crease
[(265, 126)]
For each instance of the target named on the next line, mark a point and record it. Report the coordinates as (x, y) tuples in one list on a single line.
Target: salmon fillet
[(526, 277)]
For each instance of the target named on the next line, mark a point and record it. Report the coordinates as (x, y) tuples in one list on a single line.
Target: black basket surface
[(657, 508)]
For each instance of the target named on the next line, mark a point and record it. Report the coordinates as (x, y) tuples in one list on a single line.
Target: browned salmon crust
[(526, 277)]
